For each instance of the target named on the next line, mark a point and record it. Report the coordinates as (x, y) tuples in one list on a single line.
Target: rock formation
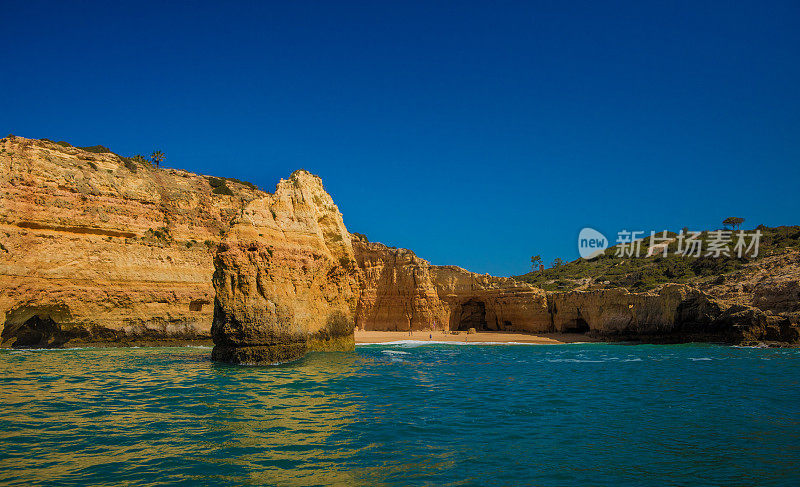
[(675, 313), (96, 248), (286, 279), (403, 292)]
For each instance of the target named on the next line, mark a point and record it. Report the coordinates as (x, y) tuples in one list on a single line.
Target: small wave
[(698, 359), (395, 352), (417, 343), (22, 350), (575, 360)]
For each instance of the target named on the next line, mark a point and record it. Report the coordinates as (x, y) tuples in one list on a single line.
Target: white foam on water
[(698, 359), (395, 352), (417, 343), (575, 360), (23, 350)]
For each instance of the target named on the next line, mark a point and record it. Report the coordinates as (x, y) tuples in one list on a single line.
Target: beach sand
[(497, 337)]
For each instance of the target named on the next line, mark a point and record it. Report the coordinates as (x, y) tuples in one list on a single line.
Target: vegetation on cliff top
[(644, 273), (219, 185)]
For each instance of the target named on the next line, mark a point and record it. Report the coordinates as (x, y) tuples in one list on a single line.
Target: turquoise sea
[(404, 414)]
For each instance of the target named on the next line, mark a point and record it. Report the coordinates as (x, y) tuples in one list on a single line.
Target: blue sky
[(474, 133)]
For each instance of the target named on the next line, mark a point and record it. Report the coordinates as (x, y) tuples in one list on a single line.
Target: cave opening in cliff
[(36, 332), (578, 326), (473, 315)]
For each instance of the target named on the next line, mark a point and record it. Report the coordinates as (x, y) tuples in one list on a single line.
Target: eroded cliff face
[(400, 291), (97, 248), (286, 279), (403, 292), (285, 270), (675, 313)]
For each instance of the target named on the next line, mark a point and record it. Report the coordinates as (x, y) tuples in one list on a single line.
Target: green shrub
[(97, 149), (224, 189), (160, 233), (219, 186), (129, 164), (61, 142), (245, 183)]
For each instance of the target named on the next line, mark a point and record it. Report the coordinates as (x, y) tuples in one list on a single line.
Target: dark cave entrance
[(473, 315), (36, 332), (579, 325)]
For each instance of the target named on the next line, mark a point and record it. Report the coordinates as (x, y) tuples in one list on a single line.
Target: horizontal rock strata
[(110, 250), (96, 248), (286, 279)]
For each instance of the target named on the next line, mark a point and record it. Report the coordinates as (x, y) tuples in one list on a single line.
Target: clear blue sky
[(474, 133)]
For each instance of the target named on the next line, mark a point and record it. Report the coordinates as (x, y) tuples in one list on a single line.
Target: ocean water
[(404, 414)]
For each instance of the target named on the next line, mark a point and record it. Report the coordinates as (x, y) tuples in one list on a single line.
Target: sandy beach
[(495, 337)]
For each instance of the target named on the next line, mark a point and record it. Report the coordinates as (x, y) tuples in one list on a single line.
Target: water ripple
[(404, 414)]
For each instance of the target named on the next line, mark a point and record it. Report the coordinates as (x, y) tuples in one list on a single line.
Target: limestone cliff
[(288, 269), (286, 279), (99, 248), (674, 313), (403, 292)]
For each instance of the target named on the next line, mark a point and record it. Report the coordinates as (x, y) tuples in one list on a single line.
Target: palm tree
[(157, 157)]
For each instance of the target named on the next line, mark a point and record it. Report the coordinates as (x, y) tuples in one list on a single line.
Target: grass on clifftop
[(219, 185), (645, 273)]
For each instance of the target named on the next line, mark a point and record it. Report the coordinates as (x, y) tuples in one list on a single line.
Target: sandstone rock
[(95, 248), (398, 291), (403, 292), (676, 312), (107, 254), (286, 280)]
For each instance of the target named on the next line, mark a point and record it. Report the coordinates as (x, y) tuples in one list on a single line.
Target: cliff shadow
[(470, 314)]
